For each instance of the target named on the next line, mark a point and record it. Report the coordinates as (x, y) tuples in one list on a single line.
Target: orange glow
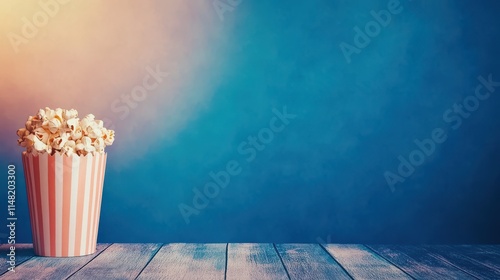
[(88, 53)]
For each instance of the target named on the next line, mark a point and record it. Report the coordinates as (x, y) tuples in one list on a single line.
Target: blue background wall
[(322, 177)]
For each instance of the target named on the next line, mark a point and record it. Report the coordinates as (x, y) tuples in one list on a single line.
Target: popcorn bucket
[(64, 199)]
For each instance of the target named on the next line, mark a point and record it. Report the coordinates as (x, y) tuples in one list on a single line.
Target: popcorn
[(73, 123), (22, 132), (37, 144), (61, 131), (41, 134), (99, 145), (69, 147), (77, 134), (86, 122), (109, 136), (58, 114), (54, 124), (70, 114), (87, 144), (94, 131), (59, 141)]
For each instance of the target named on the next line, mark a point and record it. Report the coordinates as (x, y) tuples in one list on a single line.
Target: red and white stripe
[(64, 198)]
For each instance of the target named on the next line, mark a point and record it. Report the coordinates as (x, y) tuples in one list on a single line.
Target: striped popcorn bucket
[(64, 199)]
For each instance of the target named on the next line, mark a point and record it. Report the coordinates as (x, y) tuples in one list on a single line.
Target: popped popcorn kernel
[(61, 131)]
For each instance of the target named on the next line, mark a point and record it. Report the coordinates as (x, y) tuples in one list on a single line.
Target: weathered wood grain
[(254, 261), (187, 261), (461, 259), (309, 261), (118, 261), (483, 254), (495, 248), (23, 252), (260, 261), (51, 268), (362, 263), (419, 262)]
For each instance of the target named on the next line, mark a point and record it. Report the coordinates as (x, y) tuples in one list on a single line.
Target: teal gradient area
[(320, 178)]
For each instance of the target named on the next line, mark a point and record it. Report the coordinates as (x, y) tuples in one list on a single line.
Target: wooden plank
[(482, 254), (495, 247), (419, 263), (187, 261), (461, 259), (23, 253), (309, 261), (492, 248), (254, 261), (119, 261), (52, 268), (362, 263)]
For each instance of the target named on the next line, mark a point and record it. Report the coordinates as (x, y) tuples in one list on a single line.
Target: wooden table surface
[(260, 261)]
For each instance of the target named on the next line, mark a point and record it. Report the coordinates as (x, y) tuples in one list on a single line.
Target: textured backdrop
[(264, 121)]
